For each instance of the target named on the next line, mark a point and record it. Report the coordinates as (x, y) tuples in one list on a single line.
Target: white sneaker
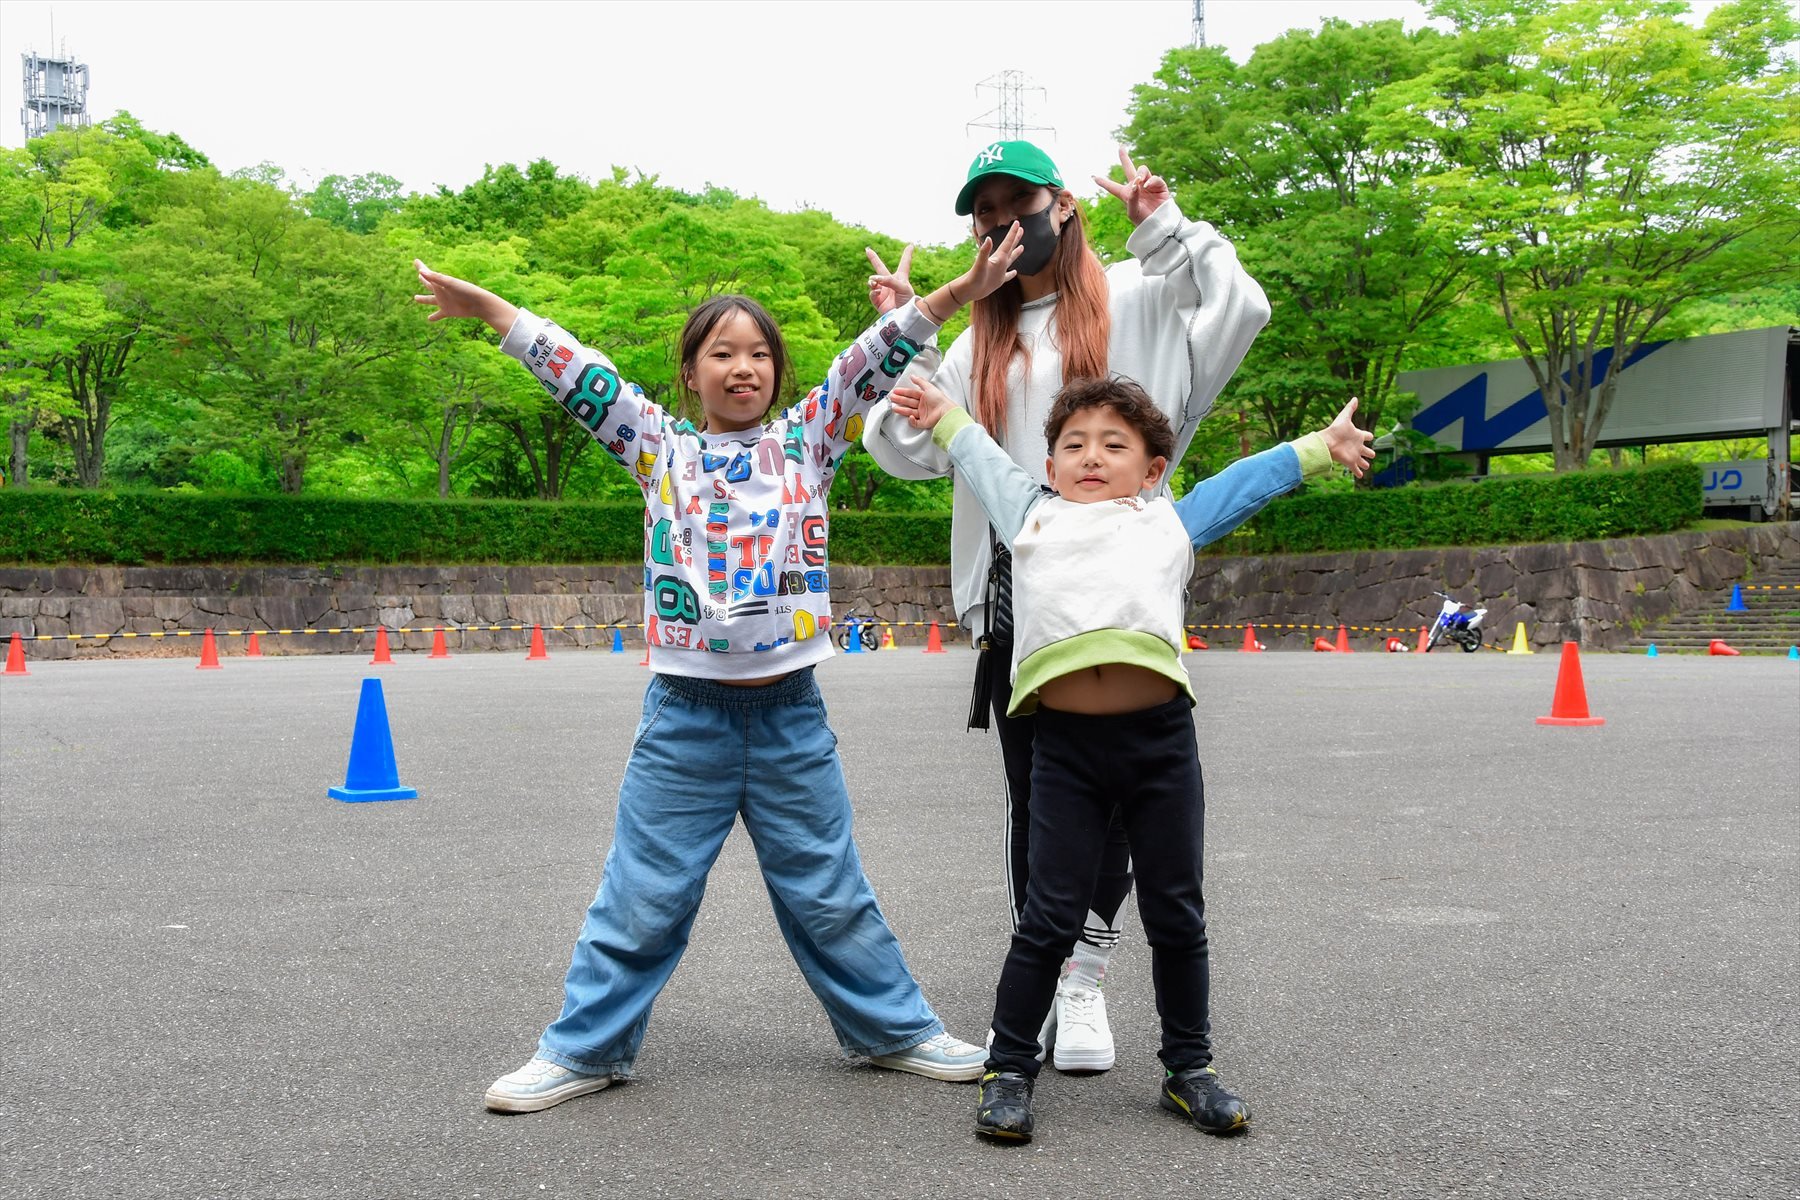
[(541, 1084), (1084, 1040), (943, 1057)]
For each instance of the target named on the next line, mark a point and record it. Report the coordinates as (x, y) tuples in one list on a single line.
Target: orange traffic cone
[(934, 643), (438, 649), (1251, 645), (253, 648), (15, 657), (1424, 637), (1324, 646), (209, 654), (1196, 642), (1343, 642), (537, 645), (381, 647), (1718, 649), (1569, 706), (1396, 646)]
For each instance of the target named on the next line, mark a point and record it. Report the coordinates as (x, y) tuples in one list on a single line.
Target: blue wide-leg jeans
[(705, 754)]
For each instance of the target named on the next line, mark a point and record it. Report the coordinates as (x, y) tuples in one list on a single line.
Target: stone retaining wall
[(91, 601), (1597, 593)]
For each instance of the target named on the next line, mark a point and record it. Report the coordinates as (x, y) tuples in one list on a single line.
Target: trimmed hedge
[(52, 526), (1576, 507), (46, 527)]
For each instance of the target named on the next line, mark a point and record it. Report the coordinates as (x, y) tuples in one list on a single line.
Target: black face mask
[(1039, 242)]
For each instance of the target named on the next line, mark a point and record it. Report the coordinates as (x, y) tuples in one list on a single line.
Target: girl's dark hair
[(706, 317), (1131, 402)]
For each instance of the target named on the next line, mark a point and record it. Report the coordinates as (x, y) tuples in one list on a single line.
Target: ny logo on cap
[(991, 155)]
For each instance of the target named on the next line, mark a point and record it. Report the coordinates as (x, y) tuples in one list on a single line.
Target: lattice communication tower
[(1007, 117), (1199, 23), (55, 93)]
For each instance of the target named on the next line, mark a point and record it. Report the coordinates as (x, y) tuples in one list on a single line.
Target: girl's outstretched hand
[(920, 402), (453, 297), (993, 265), (1142, 193), (1353, 447), (889, 290)]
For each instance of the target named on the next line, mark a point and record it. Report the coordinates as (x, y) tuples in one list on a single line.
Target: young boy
[(1099, 577)]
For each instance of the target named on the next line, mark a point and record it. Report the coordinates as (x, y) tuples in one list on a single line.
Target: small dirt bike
[(859, 625), (1463, 628)]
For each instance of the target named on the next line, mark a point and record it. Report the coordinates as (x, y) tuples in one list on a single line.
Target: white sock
[(1086, 966)]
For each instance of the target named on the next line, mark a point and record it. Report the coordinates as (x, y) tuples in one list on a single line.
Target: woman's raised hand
[(993, 265), (1142, 193), (889, 290)]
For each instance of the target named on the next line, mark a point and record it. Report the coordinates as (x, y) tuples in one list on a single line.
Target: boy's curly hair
[(1131, 402)]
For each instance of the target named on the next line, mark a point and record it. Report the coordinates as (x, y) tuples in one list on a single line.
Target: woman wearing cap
[(1178, 318)]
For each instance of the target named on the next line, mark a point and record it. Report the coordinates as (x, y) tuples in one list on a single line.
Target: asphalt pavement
[(1456, 953)]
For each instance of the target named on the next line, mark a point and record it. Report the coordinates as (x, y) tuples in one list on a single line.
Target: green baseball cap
[(1019, 159)]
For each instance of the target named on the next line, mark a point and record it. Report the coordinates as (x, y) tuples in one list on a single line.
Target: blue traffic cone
[(618, 641), (1794, 651), (853, 639), (1737, 599), (1651, 652), (372, 774)]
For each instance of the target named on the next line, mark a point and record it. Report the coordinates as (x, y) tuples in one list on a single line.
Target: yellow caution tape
[(519, 627), (181, 633)]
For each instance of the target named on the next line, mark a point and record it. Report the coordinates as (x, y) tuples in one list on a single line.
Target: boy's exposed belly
[(1107, 690)]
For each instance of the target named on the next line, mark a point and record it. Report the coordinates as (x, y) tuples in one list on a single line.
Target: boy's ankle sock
[(1086, 967)]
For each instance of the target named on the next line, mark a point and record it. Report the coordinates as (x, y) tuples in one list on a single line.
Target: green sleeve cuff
[(1315, 455), (953, 421)]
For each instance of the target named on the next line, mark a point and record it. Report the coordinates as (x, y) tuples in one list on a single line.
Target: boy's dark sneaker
[(1004, 1110), (1200, 1097)]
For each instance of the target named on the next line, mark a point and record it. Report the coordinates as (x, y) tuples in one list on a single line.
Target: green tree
[(270, 316), (357, 203), (504, 202), (66, 332), (170, 151), (1607, 162), (1278, 153)]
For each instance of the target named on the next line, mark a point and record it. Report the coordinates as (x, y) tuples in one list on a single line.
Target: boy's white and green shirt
[(736, 574), (1105, 582)]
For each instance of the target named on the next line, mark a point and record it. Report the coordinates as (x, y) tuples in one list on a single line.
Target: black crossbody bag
[(996, 645)]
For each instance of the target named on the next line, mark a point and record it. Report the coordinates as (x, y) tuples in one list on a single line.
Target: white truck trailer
[(1712, 388)]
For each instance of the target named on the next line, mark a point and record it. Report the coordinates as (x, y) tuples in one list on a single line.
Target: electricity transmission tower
[(1199, 23), (1007, 117)]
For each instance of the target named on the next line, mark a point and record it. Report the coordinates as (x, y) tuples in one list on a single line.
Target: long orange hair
[(1083, 323)]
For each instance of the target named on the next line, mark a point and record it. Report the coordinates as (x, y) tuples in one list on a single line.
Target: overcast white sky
[(855, 108)]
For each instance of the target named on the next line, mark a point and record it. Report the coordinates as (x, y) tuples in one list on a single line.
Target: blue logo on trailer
[(1468, 404)]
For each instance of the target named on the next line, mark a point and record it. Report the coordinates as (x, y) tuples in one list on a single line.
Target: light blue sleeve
[(1006, 492), (1216, 506)]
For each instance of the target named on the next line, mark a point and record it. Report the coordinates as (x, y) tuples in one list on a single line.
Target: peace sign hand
[(1142, 193), (993, 265), (888, 290)]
